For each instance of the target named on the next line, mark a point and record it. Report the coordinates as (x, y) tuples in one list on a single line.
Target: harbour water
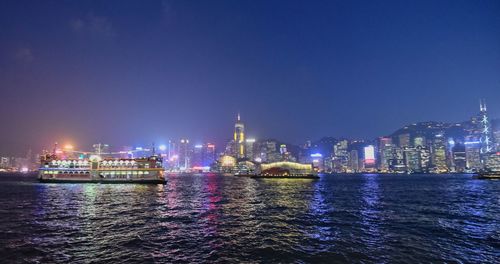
[(225, 219)]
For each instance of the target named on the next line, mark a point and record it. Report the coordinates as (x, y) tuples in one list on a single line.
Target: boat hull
[(489, 176), (103, 181)]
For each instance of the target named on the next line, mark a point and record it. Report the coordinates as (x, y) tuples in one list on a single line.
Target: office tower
[(184, 154), (239, 138), (341, 156), (425, 157), (419, 141), (197, 157), (369, 157), (473, 153), (459, 158), (385, 153), (412, 159), (282, 149), (486, 136), (438, 154), (209, 156), (404, 140), (354, 161), (495, 127), (249, 148), (398, 162)]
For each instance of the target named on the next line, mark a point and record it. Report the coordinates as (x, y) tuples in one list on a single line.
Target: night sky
[(134, 72)]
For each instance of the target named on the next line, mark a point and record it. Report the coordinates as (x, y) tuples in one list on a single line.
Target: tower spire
[(239, 119)]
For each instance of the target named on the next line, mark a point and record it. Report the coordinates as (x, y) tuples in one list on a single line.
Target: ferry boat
[(284, 170), (489, 175), (101, 170)]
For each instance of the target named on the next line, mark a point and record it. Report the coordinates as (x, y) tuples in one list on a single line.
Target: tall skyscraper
[(239, 138), (184, 154), (486, 135)]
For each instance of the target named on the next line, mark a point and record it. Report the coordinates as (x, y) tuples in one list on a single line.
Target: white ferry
[(101, 170)]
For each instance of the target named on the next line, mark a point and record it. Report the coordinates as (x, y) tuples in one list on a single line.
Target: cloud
[(24, 55), (92, 24)]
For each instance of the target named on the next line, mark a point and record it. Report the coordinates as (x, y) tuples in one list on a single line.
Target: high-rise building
[(239, 138), (473, 153), (404, 140), (354, 161), (249, 148), (486, 136), (184, 154), (412, 159), (385, 153), (369, 157), (341, 156), (459, 158), (203, 155), (438, 154)]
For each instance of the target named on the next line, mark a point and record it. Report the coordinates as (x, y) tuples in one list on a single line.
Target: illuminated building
[(486, 137), (459, 158), (226, 164), (203, 156), (473, 154), (354, 161), (100, 148), (317, 161), (398, 162), (404, 140), (249, 148), (412, 159), (239, 138), (493, 161), (385, 153), (438, 154), (369, 157), (341, 156), (425, 157), (185, 151), (419, 141), (495, 126), (282, 149)]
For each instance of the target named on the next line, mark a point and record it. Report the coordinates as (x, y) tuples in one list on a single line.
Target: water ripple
[(221, 219)]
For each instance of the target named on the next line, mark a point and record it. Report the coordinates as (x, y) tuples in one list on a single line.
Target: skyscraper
[(239, 138), (486, 136)]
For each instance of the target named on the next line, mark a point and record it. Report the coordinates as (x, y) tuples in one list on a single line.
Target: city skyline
[(130, 73), (220, 143)]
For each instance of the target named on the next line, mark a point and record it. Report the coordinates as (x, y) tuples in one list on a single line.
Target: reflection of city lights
[(162, 147)]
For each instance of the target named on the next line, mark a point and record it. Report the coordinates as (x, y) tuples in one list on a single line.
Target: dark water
[(342, 218)]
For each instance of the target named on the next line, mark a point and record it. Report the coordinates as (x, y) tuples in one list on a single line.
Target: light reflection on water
[(214, 218)]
